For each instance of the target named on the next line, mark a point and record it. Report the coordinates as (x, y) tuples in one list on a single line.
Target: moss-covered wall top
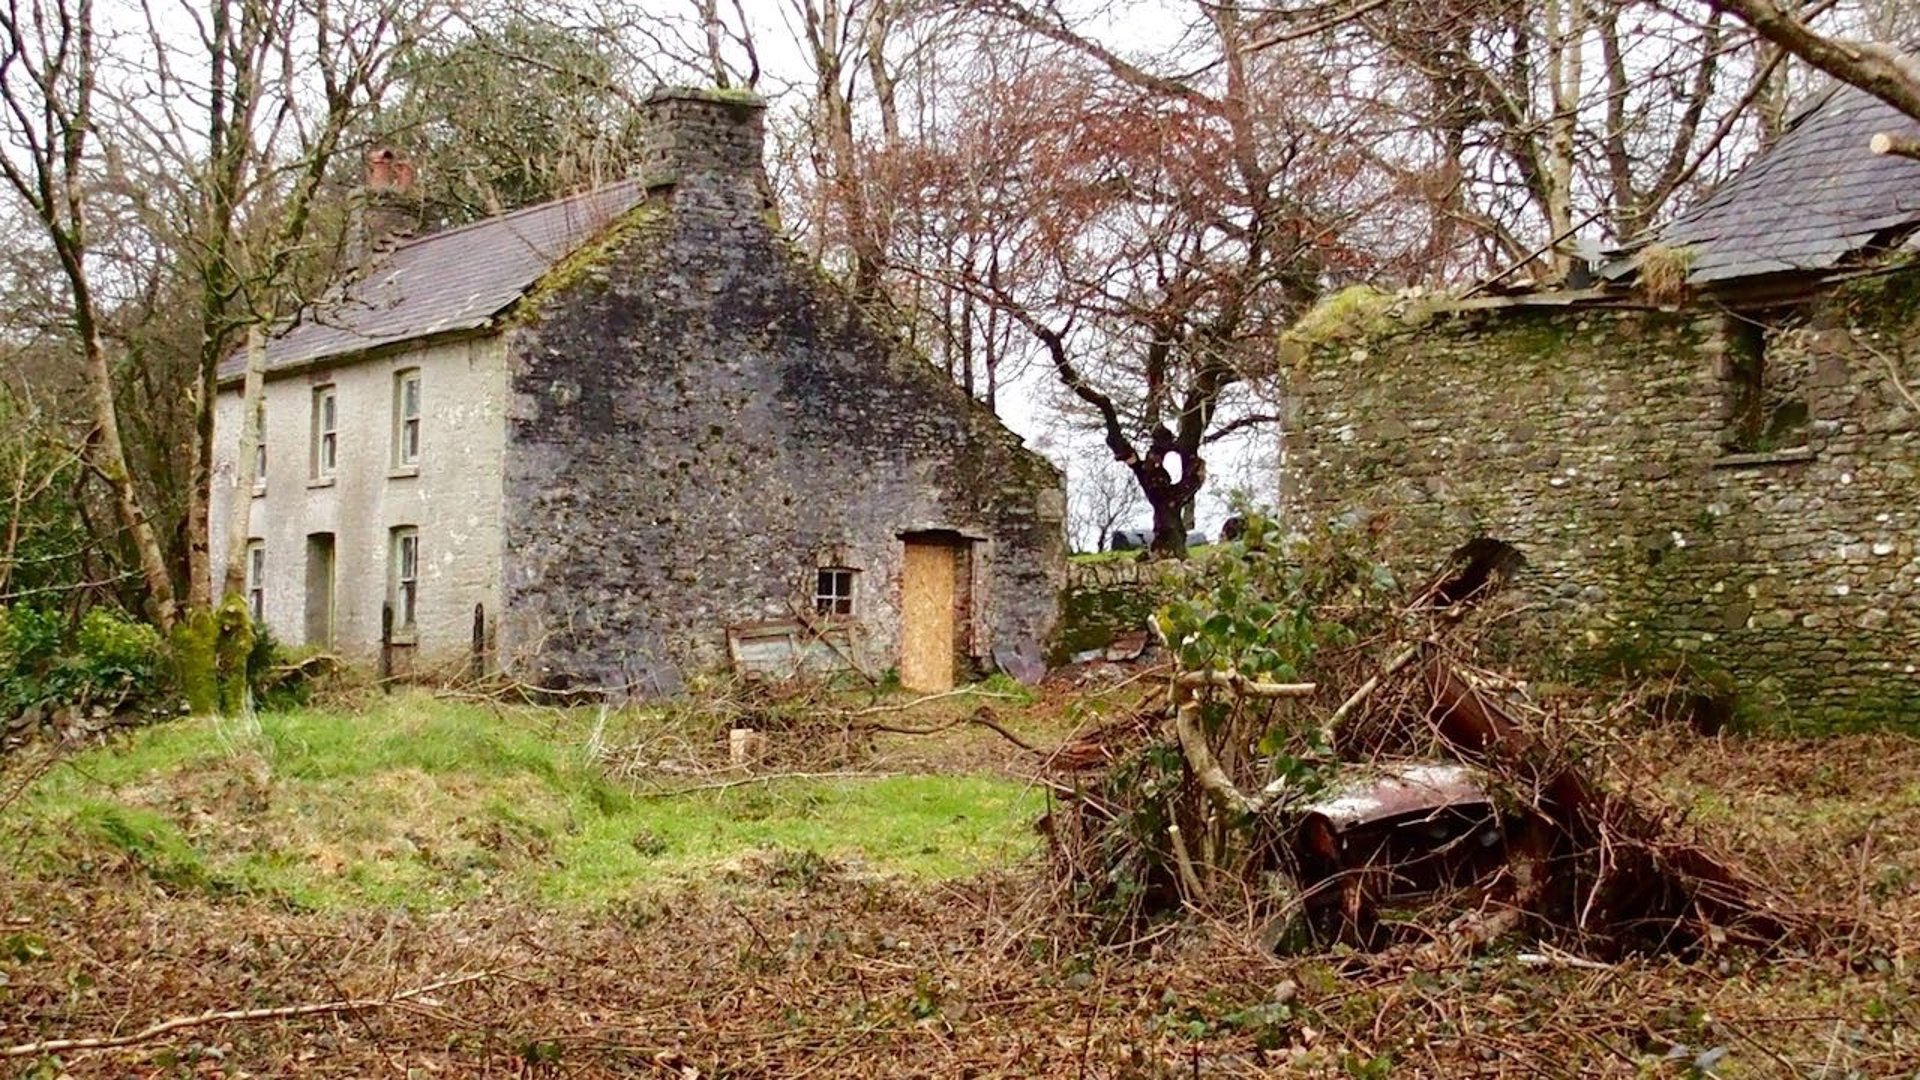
[(1618, 451)]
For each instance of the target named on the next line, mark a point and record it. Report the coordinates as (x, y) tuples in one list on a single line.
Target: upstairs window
[(403, 591), (326, 435), (406, 418), (257, 579), (833, 591), (260, 451)]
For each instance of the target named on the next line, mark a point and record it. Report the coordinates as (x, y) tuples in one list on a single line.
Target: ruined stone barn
[(1723, 469), (628, 436)]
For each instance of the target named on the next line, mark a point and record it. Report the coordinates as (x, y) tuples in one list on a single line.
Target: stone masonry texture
[(698, 421), (1602, 445)]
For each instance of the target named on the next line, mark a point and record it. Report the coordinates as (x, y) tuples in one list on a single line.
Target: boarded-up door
[(928, 615)]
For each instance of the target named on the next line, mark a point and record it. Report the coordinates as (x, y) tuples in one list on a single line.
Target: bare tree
[(1530, 124), (1101, 497), (1882, 70), (1153, 225), (232, 140), (49, 82)]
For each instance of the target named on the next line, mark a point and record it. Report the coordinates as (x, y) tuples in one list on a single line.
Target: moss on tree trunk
[(210, 650)]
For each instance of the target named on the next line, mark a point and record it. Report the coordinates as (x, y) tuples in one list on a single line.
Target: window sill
[(259, 491), (404, 637), (403, 472), (320, 482), (1798, 455)]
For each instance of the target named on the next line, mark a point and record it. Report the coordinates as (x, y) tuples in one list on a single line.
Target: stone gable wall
[(698, 421), (1597, 443)]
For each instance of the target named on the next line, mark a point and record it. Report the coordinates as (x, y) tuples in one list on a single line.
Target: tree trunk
[(240, 514), (108, 456), (1566, 38), (198, 525), (1169, 522)]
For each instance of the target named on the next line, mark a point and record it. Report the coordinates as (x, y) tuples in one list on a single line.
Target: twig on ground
[(770, 778), (1548, 956), (980, 716), (903, 706), (340, 1007)]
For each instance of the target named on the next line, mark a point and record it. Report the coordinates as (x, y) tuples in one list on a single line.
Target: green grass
[(419, 803), (1195, 551), (1105, 556)]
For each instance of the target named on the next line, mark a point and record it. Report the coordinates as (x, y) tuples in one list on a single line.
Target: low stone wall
[(1107, 598), (1617, 452)]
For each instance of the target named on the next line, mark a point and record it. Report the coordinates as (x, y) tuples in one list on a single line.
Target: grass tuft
[(1664, 271)]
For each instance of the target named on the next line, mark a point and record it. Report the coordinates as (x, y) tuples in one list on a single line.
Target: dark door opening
[(320, 567)]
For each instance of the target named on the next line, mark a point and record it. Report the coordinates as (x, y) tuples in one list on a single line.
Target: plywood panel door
[(926, 637)]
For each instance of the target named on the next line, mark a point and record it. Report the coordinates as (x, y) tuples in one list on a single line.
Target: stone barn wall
[(1668, 502)]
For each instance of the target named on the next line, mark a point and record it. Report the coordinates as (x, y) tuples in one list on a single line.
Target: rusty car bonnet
[(1388, 790)]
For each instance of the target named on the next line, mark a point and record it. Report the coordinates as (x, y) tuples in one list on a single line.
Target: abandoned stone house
[(1729, 473), (627, 436)]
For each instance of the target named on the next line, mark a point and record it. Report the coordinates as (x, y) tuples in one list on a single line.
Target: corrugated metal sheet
[(1815, 197), (453, 280), (1397, 789)]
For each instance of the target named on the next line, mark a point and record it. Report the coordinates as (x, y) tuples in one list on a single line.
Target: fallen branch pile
[(1432, 782)]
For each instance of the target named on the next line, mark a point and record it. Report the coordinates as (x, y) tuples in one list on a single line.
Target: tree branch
[(1880, 70)]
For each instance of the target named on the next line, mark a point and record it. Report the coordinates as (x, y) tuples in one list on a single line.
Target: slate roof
[(1805, 204), (458, 279)]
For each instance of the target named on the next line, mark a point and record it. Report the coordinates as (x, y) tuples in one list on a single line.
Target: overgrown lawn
[(421, 803)]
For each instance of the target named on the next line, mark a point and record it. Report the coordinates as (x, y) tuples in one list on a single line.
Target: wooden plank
[(927, 617)]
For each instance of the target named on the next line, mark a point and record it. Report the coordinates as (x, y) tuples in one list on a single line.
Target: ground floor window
[(833, 591), (403, 592), (257, 579)]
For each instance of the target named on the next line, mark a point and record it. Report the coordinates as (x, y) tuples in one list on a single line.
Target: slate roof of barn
[(458, 279), (1813, 202)]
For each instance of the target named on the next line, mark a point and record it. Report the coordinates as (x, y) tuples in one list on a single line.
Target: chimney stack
[(707, 144), (386, 208)]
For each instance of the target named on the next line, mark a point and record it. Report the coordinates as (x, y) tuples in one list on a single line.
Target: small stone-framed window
[(406, 418), (833, 590), (257, 579), (403, 588), (326, 432), (1765, 400)]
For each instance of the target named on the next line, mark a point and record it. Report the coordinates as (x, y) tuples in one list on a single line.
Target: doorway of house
[(934, 590), (320, 590)]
